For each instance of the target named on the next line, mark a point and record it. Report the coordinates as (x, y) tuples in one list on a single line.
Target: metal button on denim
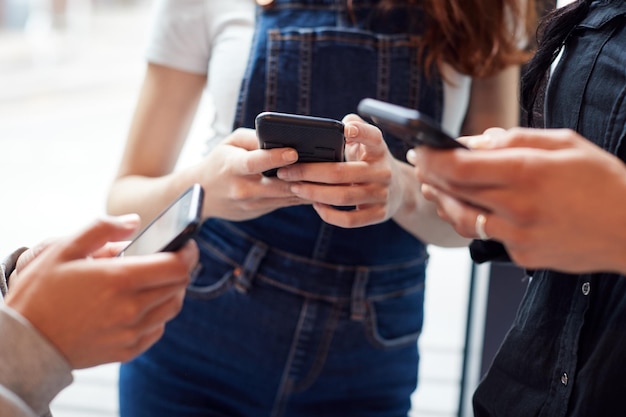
[(586, 288), (564, 378)]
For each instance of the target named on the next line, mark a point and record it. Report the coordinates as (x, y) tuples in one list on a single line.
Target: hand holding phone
[(316, 139), (409, 125), (172, 228)]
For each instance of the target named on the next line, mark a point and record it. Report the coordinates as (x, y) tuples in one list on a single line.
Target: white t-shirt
[(213, 37)]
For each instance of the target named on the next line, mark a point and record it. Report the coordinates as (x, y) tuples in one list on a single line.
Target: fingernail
[(480, 142), (129, 221), (282, 173), (353, 131), (410, 156), (290, 155), (295, 189)]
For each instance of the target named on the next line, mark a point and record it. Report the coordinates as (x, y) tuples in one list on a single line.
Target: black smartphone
[(172, 228), (316, 139), (407, 124)]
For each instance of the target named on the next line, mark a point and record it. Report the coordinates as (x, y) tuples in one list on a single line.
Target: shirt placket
[(565, 368)]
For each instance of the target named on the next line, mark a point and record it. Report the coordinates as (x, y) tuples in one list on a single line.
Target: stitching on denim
[(322, 351), (382, 84), (273, 53), (252, 262), (357, 306), (286, 383), (312, 262), (304, 74), (245, 85), (377, 340)]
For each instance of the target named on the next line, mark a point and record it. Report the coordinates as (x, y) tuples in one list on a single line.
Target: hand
[(369, 179), (232, 176), (94, 307), (552, 197)]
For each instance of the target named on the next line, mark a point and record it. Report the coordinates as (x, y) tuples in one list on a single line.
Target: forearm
[(419, 216), (146, 196), (494, 102), (146, 180), (32, 372)]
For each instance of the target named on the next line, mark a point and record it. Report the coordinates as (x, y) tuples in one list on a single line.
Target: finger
[(341, 195), (507, 159), (110, 249), (93, 237), (456, 212), (243, 138), (358, 131), (255, 160), (261, 160), (364, 215), (335, 173), (140, 344), (464, 217), (29, 255), (485, 141), (164, 310), (478, 168), (155, 270), (547, 139)]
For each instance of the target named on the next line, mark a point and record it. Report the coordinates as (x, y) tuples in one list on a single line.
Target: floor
[(67, 91)]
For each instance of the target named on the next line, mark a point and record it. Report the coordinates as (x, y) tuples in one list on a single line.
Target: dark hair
[(552, 34)]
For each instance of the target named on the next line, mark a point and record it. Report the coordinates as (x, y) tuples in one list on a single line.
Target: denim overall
[(291, 316), (565, 353)]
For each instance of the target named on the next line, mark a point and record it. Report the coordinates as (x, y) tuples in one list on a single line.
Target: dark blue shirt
[(565, 354)]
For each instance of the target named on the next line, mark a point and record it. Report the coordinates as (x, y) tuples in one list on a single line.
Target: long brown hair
[(476, 37)]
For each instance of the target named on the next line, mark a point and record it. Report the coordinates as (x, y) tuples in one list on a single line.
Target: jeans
[(256, 339)]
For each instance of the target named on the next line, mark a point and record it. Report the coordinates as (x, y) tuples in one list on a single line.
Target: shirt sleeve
[(178, 35), (32, 371)]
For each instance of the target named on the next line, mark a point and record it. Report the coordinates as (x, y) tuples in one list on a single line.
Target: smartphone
[(316, 139), (407, 124), (172, 228)]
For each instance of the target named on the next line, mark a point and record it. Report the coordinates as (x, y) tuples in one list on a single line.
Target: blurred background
[(70, 71)]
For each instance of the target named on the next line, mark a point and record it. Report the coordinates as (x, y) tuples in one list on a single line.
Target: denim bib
[(319, 58)]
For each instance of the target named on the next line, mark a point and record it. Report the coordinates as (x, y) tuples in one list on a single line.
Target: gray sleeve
[(6, 267), (32, 371), (12, 406)]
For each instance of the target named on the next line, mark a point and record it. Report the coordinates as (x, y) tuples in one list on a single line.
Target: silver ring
[(481, 220)]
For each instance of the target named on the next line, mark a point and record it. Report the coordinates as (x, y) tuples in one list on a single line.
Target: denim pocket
[(216, 275), (396, 320)]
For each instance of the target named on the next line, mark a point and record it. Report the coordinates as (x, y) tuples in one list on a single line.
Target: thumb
[(101, 231)]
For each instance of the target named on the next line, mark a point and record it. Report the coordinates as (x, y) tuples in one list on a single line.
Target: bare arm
[(165, 110)]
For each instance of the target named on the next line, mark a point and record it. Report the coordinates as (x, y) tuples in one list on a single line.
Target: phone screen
[(172, 228)]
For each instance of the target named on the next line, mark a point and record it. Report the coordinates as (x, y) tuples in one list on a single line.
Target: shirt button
[(586, 288), (564, 379)]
